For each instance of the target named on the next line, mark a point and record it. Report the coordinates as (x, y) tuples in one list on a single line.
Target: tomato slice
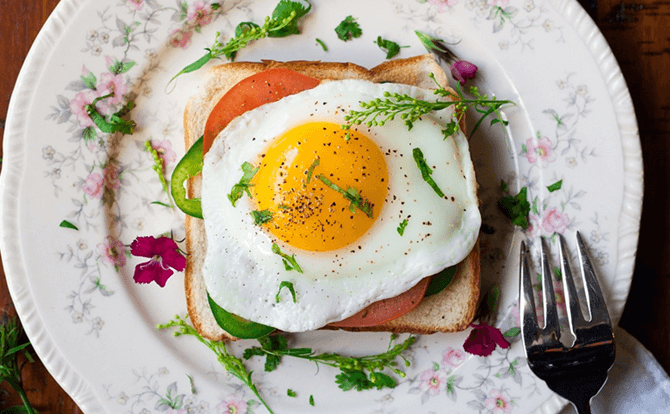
[(252, 92), (387, 309)]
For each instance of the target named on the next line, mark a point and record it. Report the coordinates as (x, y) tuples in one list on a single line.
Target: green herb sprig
[(350, 194), (284, 22), (261, 216), (426, 171), (289, 286), (379, 111), (348, 29), (229, 362), (115, 122), (362, 373), (289, 261), (516, 208), (10, 371), (401, 227), (390, 47), (243, 185)]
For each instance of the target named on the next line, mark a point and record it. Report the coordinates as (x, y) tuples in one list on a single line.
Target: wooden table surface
[(639, 35)]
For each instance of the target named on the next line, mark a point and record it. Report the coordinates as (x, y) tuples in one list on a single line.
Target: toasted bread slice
[(448, 311)]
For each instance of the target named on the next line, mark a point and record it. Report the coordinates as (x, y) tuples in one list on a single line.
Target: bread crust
[(448, 311)]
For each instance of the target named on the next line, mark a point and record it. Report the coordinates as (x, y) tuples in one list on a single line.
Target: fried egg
[(308, 172)]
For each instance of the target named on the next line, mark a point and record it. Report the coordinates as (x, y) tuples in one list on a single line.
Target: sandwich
[(340, 231)]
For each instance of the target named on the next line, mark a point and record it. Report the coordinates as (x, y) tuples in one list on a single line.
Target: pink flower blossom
[(78, 107), (112, 251), (453, 357), (539, 150), (232, 405), (136, 4), (180, 38), (164, 256), (483, 340), (463, 70), (432, 381), (111, 174), (503, 3), (200, 14), (164, 149), (111, 83), (554, 221), (93, 185), (441, 3), (497, 402)]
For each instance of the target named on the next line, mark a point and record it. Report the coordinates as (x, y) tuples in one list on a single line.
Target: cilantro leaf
[(289, 286), (261, 216), (348, 29), (290, 11), (401, 227), (350, 194), (426, 171), (290, 393), (391, 48), (243, 185), (516, 208), (275, 344), (289, 261), (555, 186)]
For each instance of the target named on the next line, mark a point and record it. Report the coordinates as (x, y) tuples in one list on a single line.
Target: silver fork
[(578, 372)]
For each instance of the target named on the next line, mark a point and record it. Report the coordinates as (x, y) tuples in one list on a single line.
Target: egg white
[(243, 275)]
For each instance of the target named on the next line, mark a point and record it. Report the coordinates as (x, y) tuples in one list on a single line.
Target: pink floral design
[(112, 251), (111, 83), (78, 107), (497, 402), (93, 185), (200, 15), (483, 340), (136, 4), (554, 221), (453, 357), (432, 381), (164, 149), (165, 256), (441, 3), (180, 38), (539, 150), (111, 173), (232, 405)]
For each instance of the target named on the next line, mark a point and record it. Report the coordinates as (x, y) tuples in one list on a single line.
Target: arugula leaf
[(261, 216), (289, 286), (391, 48), (516, 208), (66, 224), (348, 29), (350, 194), (555, 186), (426, 171), (401, 227), (243, 185), (289, 261)]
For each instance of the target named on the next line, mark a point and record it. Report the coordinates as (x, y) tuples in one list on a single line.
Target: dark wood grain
[(639, 35)]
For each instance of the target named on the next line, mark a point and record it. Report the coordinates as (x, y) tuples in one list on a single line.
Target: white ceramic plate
[(95, 329)]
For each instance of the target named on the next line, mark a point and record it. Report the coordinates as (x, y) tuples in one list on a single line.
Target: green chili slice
[(189, 166)]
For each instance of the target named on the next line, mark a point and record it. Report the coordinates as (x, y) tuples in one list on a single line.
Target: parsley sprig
[(289, 261), (348, 29), (379, 111), (362, 373), (243, 185), (10, 370), (230, 362), (284, 22), (261, 216), (350, 194)]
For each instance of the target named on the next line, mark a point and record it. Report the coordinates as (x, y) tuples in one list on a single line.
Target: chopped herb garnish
[(310, 171), (311, 400), (391, 48), (516, 208), (401, 227), (428, 41), (323, 45), (348, 28), (289, 261), (426, 171), (243, 186), (350, 194), (115, 122), (290, 393), (555, 186), (361, 373), (289, 286), (284, 207), (66, 224), (261, 216)]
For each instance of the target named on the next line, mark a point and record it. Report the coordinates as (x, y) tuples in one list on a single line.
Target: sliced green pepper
[(235, 325), (189, 166), (441, 281)]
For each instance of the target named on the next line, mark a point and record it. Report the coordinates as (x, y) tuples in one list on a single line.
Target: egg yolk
[(307, 179)]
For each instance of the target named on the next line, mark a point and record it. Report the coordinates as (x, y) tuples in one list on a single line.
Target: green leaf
[(66, 224), (380, 380), (348, 29), (555, 186), (160, 203), (504, 187), (291, 11), (323, 45), (310, 170), (290, 393), (194, 66), (451, 128), (244, 28), (516, 208), (289, 261), (391, 48), (353, 380), (289, 286), (427, 41), (426, 171), (261, 216), (350, 194), (512, 332), (311, 400), (90, 80), (401, 227), (243, 185)]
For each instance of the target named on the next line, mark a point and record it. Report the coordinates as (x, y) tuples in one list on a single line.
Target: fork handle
[(584, 408)]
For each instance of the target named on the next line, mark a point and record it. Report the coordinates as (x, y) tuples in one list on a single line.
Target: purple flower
[(483, 340), (462, 70), (164, 255)]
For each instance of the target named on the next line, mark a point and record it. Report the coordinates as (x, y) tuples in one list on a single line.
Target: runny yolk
[(306, 212)]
